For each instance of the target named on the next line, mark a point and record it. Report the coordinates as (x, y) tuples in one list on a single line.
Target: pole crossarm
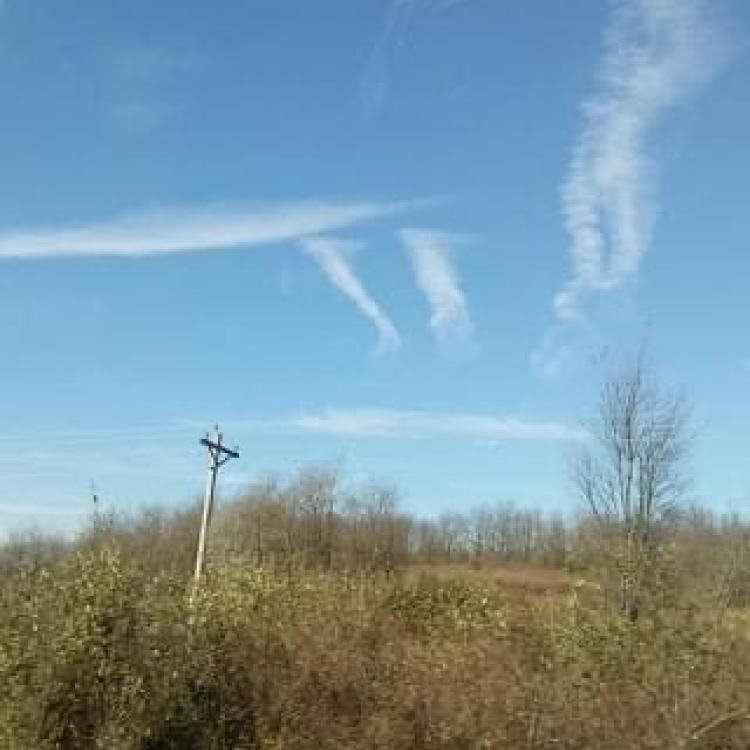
[(218, 448)]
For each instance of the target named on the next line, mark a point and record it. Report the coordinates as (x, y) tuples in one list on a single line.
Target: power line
[(76, 438)]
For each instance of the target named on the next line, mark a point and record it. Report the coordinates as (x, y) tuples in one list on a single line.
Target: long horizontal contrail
[(397, 423), (330, 254), (430, 252), (193, 229)]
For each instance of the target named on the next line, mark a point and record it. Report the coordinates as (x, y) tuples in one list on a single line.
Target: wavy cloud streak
[(656, 52)]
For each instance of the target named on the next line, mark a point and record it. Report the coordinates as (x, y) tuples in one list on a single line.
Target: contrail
[(376, 78), (656, 52), (396, 29), (194, 229), (430, 252), (395, 423), (330, 255)]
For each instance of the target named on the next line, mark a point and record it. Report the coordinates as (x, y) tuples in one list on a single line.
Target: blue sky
[(404, 237)]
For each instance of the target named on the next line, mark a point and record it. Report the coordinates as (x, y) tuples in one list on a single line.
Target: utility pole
[(218, 455)]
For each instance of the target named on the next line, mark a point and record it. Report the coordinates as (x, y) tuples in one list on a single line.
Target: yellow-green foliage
[(97, 651), (647, 684), (433, 606)]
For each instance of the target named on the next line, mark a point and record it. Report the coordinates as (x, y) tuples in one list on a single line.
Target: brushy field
[(98, 650)]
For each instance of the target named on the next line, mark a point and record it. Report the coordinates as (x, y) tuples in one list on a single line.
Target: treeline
[(315, 520), (713, 550)]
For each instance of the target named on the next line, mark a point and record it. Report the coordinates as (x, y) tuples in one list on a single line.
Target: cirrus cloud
[(330, 254), (656, 53), (394, 423), (198, 228), (430, 252)]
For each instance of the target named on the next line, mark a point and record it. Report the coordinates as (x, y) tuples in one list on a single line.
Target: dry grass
[(98, 651), (520, 577)]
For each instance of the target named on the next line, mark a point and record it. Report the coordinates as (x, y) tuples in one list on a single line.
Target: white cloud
[(376, 78), (394, 33), (330, 255), (656, 52), (392, 423), (430, 253), (550, 357), (193, 229), (144, 95)]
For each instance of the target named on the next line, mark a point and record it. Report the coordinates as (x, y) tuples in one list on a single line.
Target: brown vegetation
[(328, 619)]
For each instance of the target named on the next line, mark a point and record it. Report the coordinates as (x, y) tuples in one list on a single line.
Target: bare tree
[(632, 477)]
